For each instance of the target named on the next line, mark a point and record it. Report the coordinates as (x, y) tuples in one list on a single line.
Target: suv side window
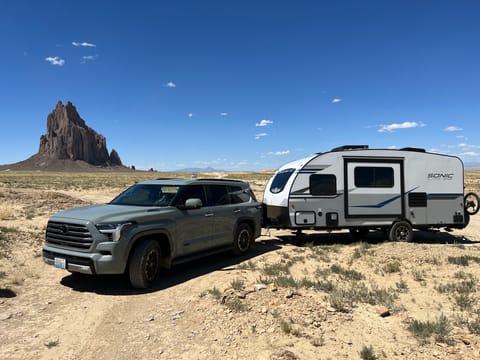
[(238, 195), (217, 195), (191, 192)]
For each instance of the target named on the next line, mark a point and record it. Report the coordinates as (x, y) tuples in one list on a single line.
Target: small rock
[(383, 311), (290, 294), (264, 310), (331, 309), (151, 318), (259, 287), (5, 316)]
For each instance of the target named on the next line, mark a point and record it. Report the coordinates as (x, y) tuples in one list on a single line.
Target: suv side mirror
[(192, 204)]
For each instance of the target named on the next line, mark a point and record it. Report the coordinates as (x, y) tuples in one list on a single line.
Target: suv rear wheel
[(243, 240), (144, 265)]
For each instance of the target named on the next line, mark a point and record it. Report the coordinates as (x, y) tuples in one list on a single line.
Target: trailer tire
[(401, 231), (144, 265), (471, 202)]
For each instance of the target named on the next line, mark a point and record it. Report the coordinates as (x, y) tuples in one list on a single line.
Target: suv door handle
[(236, 211), (209, 214)]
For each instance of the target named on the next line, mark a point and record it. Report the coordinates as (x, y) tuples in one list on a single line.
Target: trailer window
[(323, 184), (373, 176), (280, 180)]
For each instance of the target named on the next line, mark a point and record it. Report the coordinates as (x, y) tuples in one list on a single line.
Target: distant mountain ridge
[(207, 169)]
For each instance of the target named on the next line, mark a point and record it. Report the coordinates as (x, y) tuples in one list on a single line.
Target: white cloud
[(264, 123), (83, 44), (404, 125), (336, 100), (223, 114), (470, 153), (55, 60), (259, 136), (467, 146), (89, 58), (453, 128), (170, 84), (279, 153)]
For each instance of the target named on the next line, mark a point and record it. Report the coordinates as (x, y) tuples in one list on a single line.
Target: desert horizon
[(317, 295)]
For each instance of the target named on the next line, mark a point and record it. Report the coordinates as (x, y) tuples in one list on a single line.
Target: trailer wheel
[(401, 231), (359, 233), (471, 201)]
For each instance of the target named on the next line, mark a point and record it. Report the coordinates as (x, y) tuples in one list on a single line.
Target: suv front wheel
[(243, 240), (144, 264)]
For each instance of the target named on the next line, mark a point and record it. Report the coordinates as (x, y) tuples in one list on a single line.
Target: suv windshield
[(147, 195)]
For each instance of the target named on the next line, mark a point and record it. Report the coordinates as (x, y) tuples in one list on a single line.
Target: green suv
[(153, 225)]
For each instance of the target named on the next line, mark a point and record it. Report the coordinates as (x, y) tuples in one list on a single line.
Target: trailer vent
[(413, 149), (350, 147), (418, 199)]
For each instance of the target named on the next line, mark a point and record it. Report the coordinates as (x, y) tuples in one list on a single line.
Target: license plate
[(60, 263)]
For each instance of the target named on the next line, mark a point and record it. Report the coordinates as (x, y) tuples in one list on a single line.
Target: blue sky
[(243, 85)]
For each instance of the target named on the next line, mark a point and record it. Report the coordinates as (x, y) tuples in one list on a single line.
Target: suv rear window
[(280, 180), (239, 195)]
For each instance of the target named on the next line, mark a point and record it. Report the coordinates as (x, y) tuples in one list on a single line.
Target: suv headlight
[(113, 230)]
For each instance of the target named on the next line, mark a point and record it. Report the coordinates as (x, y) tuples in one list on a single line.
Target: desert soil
[(313, 296)]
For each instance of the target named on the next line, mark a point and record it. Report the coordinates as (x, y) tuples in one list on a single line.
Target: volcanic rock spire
[(69, 138)]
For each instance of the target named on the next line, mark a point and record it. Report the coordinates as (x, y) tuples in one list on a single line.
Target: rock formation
[(69, 138)]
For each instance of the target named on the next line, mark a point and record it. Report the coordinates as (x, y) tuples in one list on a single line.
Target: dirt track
[(228, 308)]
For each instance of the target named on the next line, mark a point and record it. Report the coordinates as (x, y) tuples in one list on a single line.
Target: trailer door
[(373, 188)]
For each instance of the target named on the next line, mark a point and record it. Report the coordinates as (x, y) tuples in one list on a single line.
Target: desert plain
[(317, 295)]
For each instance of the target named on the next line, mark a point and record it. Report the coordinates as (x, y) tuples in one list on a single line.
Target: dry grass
[(6, 212), (314, 295)]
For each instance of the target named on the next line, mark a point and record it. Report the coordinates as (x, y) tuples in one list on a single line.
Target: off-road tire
[(243, 239), (144, 265), (401, 231)]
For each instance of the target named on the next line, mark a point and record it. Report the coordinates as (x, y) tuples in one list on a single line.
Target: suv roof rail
[(217, 179)]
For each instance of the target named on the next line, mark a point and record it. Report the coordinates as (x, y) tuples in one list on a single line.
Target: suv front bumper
[(110, 262)]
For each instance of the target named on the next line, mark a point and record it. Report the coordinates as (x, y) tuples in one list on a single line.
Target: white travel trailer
[(357, 188)]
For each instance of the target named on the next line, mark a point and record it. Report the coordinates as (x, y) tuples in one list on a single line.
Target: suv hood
[(109, 212)]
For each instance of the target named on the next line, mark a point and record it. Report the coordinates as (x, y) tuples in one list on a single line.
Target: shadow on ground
[(119, 284), (7, 293), (374, 237)]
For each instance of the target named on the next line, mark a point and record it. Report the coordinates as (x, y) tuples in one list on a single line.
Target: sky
[(243, 85)]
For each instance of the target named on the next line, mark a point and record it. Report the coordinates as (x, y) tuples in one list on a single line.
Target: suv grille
[(66, 234)]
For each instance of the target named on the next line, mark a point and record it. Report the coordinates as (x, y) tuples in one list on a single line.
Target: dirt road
[(317, 296)]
